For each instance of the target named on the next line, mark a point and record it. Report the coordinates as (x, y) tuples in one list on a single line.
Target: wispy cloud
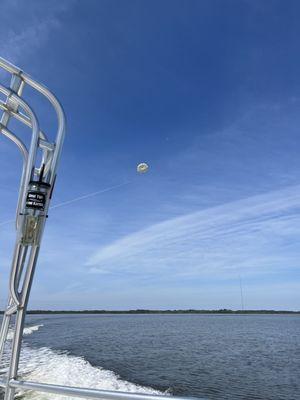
[(33, 29), (251, 235)]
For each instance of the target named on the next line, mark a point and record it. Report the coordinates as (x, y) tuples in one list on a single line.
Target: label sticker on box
[(36, 200)]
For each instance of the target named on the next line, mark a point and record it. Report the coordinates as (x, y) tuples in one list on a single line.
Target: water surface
[(210, 356)]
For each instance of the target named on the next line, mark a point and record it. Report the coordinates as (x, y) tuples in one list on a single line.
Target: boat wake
[(27, 331), (57, 367)]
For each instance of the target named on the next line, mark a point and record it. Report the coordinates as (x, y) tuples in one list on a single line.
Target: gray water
[(210, 356)]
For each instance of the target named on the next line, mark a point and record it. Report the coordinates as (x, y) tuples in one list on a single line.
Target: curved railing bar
[(35, 135), (21, 117), (24, 152), (27, 167), (53, 100), (47, 93), (9, 67), (26, 121), (6, 132), (60, 118)]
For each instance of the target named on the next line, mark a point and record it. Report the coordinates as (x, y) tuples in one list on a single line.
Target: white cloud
[(253, 235)]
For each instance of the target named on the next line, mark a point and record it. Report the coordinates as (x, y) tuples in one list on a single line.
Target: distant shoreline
[(143, 311)]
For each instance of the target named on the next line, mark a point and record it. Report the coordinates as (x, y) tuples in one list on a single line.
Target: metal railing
[(36, 186), (86, 393)]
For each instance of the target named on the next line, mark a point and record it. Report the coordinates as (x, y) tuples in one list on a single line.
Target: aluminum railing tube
[(89, 393), (36, 185)]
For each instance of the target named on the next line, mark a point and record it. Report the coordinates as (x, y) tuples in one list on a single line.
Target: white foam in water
[(31, 329), (27, 331), (49, 366)]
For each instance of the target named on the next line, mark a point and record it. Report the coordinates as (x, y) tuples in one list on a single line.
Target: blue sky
[(206, 92)]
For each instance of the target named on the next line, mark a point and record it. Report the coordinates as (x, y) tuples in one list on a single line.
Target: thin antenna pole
[(242, 295)]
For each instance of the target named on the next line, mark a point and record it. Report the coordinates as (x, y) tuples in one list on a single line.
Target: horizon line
[(164, 311)]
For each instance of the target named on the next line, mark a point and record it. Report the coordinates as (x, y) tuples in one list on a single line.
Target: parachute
[(142, 168)]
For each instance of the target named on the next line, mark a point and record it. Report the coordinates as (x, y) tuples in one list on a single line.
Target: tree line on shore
[(145, 311)]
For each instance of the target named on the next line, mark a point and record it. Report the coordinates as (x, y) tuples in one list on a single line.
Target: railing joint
[(44, 144)]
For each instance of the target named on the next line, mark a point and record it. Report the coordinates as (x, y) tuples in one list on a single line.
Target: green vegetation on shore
[(143, 311)]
